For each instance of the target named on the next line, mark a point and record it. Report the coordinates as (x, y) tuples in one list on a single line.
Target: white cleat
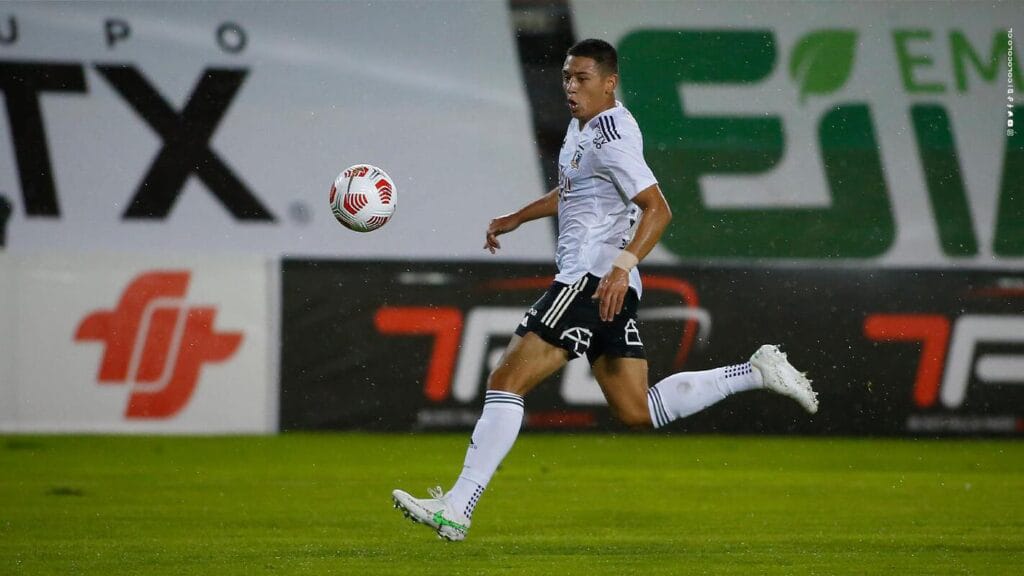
[(436, 512), (779, 375)]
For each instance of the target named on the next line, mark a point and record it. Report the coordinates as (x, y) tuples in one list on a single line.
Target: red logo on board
[(157, 342)]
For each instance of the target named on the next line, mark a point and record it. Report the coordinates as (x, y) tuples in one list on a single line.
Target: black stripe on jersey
[(600, 126), (607, 128), (615, 130)]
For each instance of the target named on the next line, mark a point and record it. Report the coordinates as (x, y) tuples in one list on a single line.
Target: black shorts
[(566, 316)]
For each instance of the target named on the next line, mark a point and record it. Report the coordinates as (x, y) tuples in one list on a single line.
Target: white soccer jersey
[(600, 170)]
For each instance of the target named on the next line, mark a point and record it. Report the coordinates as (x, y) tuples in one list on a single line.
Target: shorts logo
[(580, 338), (633, 334), (158, 343)]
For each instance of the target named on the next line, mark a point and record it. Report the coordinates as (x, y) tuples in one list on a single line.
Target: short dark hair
[(601, 52)]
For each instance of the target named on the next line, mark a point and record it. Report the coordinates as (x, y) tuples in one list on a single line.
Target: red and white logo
[(157, 342)]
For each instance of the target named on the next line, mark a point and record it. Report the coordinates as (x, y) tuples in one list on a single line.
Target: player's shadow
[(5, 213)]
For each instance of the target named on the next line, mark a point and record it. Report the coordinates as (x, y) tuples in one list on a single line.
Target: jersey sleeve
[(620, 159)]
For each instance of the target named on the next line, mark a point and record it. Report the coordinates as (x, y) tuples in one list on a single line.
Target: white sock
[(687, 393), (493, 437)]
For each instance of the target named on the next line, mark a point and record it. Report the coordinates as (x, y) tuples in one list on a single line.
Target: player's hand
[(497, 227), (611, 293)]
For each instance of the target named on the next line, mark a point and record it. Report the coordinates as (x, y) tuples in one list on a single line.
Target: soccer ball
[(363, 198)]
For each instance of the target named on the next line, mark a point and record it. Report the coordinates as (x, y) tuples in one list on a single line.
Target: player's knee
[(635, 417), (504, 381)]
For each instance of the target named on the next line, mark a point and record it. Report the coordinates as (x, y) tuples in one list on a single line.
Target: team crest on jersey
[(575, 162)]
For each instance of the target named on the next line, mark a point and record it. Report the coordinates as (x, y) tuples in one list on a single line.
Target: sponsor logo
[(185, 133), (975, 348), (462, 351), (157, 343), (685, 144)]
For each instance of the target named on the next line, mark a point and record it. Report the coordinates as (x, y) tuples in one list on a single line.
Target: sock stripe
[(499, 397), (510, 397), (492, 402), (658, 408), (490, 393), (661, 406), (655, 410)]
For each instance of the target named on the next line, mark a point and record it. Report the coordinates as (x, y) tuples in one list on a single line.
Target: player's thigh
[(527, 361), (624, 383)]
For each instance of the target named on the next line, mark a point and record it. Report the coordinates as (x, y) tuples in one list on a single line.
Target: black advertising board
[(408, 346)]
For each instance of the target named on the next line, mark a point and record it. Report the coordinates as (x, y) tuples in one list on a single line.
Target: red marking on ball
[(353, 203)]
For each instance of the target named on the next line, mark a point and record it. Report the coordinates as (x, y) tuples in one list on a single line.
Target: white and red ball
[(363, 198)]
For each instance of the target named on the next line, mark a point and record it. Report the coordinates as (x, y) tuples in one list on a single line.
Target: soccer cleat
[(436, 512), (779, 375)]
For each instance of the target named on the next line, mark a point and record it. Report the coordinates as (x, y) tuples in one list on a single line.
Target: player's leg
[(624, 384), (686, 393), (527, 361), (617, 362)]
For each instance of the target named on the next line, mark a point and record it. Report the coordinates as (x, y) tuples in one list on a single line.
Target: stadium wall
[(830, 145)]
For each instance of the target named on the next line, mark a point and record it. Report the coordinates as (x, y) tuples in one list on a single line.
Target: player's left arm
[(656, 215)]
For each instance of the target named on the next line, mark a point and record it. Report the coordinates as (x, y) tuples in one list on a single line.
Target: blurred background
[(846, 181)]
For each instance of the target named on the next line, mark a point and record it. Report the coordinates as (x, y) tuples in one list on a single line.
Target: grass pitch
[(587, 504)]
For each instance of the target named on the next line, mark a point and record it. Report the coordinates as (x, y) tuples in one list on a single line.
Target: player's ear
[(611, 82)]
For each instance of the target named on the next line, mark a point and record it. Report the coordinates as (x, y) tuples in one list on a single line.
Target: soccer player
[(611, 213)]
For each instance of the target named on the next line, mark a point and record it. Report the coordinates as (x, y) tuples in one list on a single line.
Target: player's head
[(589, 77)]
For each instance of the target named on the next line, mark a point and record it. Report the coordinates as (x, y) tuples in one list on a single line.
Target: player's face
[(587, 90)]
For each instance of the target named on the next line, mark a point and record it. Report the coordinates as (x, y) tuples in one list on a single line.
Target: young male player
[(605, 191)]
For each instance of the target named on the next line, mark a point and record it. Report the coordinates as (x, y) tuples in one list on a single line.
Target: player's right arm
[(543, 207)]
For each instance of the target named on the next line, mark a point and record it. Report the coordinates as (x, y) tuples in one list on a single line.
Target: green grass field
[(585, 504)]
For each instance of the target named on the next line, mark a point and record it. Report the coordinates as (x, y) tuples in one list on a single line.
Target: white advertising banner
[(7, 339), (879, 132), (147, 345), (221, 126), (850, 132)]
